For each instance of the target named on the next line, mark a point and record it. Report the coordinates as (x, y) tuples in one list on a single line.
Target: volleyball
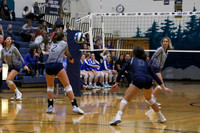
[(79, 37)]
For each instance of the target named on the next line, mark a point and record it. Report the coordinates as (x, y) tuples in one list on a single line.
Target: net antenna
[(102, 24)]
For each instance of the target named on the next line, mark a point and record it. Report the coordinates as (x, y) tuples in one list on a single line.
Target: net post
[(103, 34), (90, 31), (118, 47)]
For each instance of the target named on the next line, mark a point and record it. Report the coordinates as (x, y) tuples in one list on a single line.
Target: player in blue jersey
[(87, 68), (95, 68), (54, 67), (11, 56), (83, 71), (142, 77), (109, 72)]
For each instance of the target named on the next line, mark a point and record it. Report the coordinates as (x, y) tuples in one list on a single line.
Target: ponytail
[(58, 37)]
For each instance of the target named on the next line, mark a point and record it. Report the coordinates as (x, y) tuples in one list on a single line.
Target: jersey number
[(53, 49)]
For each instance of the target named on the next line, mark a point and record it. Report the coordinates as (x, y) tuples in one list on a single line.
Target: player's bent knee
[(68, 88), (50, 89), (151, 101)]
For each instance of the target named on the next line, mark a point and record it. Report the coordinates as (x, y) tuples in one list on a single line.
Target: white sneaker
[(77, 110), (96, 87), (158, 104), (18, 96), (116, 120), (50, 110), (161, 119), (13, 98)]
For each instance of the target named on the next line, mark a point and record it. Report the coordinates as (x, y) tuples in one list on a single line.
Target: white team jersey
[(57, 51)]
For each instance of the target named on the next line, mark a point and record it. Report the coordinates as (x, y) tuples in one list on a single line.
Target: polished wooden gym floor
[(182, 110)]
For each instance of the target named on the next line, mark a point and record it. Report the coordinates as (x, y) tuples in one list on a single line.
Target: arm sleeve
[(26, 60), (158, 52), (24, 27), (105, 65), (15, 50), (155, 77), (124, 68), (67, 53), (97, 62), (87, 63), (88, 66)]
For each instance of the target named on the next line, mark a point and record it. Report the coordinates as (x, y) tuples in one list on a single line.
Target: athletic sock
[(74, 102), (119, 113), (16, 90), (50, 102), (159, 114)]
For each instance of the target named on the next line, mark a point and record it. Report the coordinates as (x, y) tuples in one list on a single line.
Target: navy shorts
[(53, 68), (16, 68), (142, 82), (156, 70)]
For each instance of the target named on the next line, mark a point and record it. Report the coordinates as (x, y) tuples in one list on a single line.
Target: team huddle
[(97, 75)]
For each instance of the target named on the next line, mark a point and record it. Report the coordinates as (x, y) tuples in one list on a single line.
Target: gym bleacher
[(21, 79)]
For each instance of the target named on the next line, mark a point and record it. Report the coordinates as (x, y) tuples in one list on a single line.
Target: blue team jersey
[(87, 65), (106, 66), (82, 65), (138, 67), (93, 62)]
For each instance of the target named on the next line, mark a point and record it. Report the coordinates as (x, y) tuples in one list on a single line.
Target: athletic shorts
[(156, 70), (53, 68), (16, 68), (142, 82)]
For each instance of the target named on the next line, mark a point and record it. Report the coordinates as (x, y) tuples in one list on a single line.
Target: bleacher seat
[(24, 44), (24, 50), (18, 39)]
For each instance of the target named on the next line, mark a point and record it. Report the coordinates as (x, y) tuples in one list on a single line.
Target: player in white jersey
[(11, 56), (54, 67)]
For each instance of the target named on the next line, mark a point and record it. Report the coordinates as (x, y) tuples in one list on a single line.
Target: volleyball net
[(126, 30)]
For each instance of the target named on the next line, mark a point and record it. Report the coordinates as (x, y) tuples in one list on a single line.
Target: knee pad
[(159, 87), (68, 88), (106, 75), (110, 75), (91, 76), (151, 101), (9, 82), (50, 88), (124, 101), (101, 74)]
